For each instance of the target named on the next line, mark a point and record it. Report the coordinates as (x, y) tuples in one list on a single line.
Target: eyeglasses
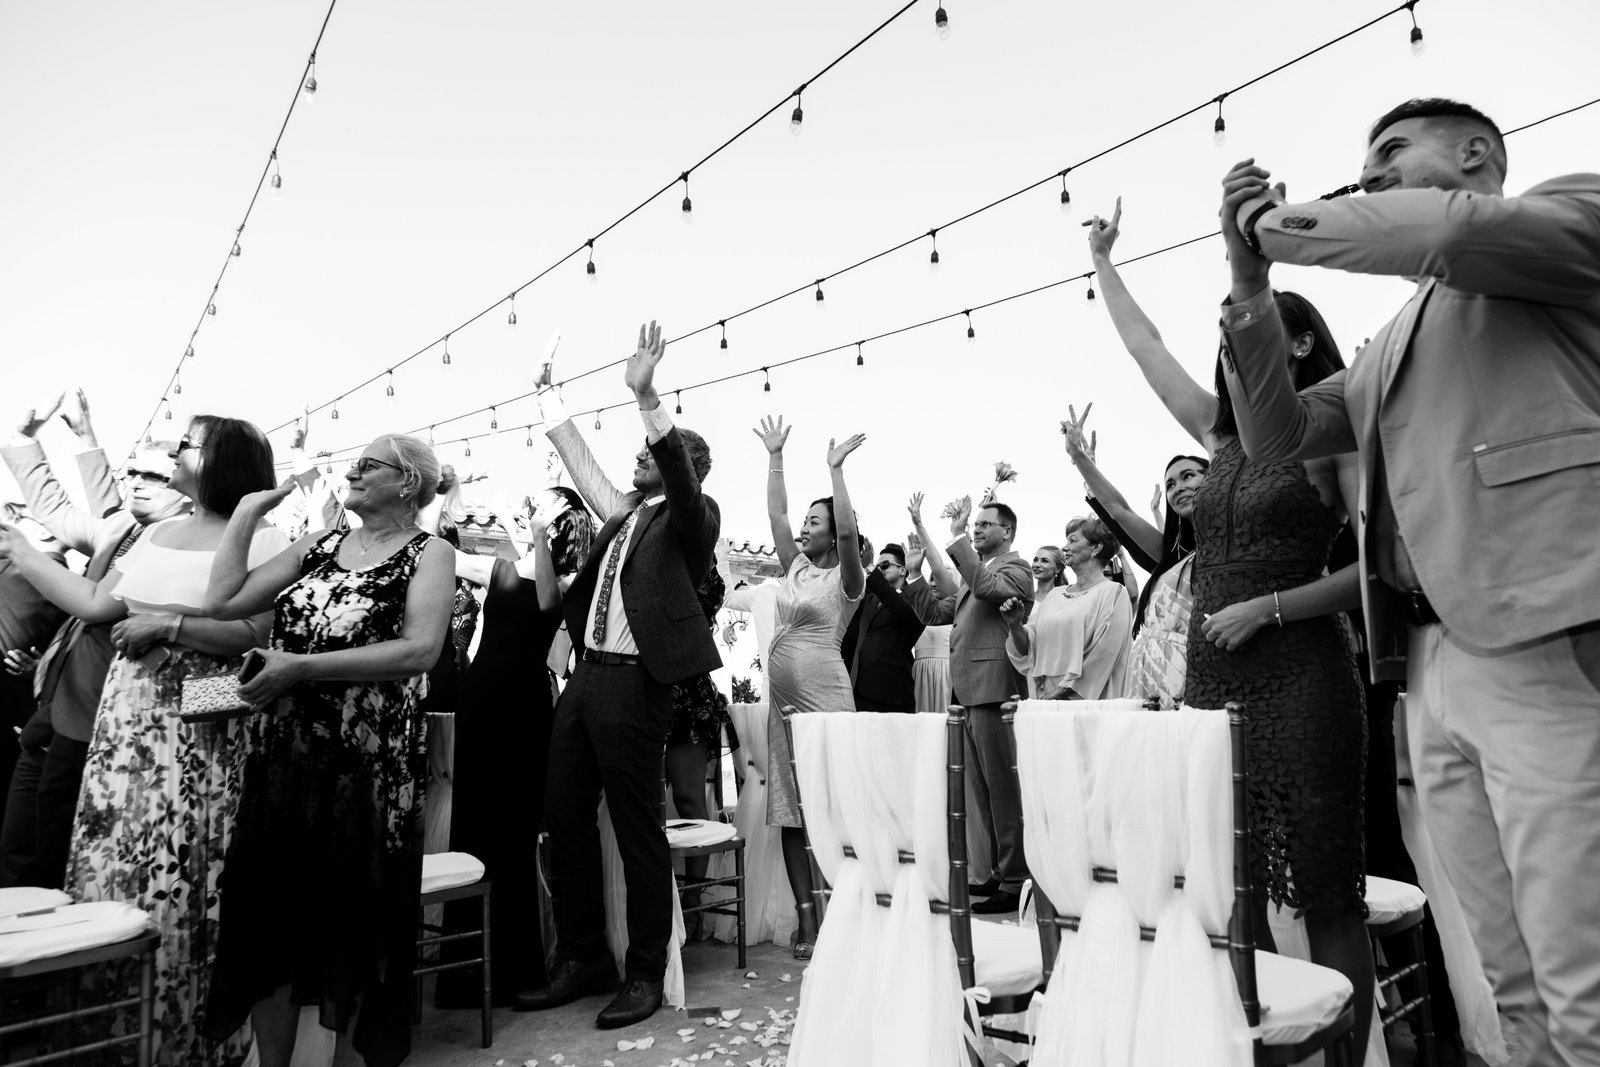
[(133, 474), (885, 565), (366, 465), (985, 523)]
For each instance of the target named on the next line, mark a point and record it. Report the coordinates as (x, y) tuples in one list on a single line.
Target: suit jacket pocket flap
[(1505, 464), (684, 609), (987, 653)]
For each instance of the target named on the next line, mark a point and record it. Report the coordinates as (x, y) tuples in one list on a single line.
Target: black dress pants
[(36, 831), (610, 733)]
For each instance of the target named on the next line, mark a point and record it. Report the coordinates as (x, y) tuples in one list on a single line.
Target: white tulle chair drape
[(1147, 795), (882, 987), (769, 902)]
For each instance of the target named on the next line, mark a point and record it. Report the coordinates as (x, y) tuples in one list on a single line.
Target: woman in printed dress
[(159, 796), (319, 903), (825, 579)]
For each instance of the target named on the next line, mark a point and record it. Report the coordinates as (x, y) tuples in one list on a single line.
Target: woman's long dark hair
[(1299, 316), (1177, 540), (571, 534), (237, 460)]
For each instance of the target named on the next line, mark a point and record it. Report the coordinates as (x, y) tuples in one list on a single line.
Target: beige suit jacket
[(1483, 395)]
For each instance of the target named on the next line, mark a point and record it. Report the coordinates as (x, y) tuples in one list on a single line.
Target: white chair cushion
[(69, 928), (693, 833), (1006, 959), (1388, 900), (24, 898), (447, 870), (1297, 998)]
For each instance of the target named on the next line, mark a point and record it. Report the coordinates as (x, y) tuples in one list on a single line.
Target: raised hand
[(773, 433), (301, 432), (914, 507), (1103, 233), (1079, 448), (78, 421), (867, 554), (1244, 183), (915, 553), (959, 511), (1157, 500), (259, 503), (547, 366), (640, 375), (838, 452), (34, 418)]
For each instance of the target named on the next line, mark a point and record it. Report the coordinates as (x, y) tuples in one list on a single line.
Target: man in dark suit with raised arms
[(637, 627)]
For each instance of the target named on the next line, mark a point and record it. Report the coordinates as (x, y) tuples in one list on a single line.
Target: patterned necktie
[(603, 601)]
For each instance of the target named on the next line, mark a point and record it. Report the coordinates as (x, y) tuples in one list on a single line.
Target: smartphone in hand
[(253, 662)]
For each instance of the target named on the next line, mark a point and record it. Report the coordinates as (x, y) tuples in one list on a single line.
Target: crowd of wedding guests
[(1336, 532)]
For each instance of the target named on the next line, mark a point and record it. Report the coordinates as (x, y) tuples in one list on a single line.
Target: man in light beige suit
[(1476, 413)]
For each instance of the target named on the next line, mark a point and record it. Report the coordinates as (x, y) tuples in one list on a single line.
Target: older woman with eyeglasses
[(323, 877), (157, 802)]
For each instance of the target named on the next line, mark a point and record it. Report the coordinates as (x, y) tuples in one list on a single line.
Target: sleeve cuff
[(656, 421), (1248, 312), (551, 409)]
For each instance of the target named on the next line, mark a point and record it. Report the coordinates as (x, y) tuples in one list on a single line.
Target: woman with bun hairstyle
[(320, 893)]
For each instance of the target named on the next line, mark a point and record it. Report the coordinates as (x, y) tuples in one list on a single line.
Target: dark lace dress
[(699, 709), (1261, 527), (324, 871), (502, 754)]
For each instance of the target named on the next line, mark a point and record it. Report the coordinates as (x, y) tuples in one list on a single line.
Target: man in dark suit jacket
[(877, 645), (982, 678), (637, 627)]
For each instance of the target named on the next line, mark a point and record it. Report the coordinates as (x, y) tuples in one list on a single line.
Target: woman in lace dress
[(824, 580), (1266, 630), (157, 805), (319, 906)]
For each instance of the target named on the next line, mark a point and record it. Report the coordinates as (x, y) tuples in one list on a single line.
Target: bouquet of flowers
[(1003, 473)]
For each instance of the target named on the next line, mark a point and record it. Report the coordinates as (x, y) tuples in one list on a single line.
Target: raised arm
[(544, 568), (430, 598), (238, 591), (98, 483), (1081, 452), (72, 593), (774, 434), (852, 575), (603, 498), (1187, 400), (945, 580)]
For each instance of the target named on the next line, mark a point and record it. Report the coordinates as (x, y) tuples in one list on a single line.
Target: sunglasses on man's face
[(886, 564), (153, 478)]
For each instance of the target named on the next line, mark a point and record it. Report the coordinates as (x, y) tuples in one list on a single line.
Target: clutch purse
[(211, 698)]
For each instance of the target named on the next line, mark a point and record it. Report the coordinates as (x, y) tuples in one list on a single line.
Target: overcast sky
[(454, 150)]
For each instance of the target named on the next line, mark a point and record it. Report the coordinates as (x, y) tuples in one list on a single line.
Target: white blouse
[(157, 580)]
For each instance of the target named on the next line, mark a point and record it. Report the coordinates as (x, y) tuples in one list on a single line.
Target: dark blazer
[(980, 670), (673, 549), (878, 642)]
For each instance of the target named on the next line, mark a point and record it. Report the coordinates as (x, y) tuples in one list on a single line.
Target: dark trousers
[(17, 706), (610, 733), (992, 766), (36, 831)]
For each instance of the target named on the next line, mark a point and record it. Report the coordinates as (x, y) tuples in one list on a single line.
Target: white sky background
[(455, 149)]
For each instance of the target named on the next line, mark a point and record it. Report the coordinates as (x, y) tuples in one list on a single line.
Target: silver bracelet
[(1277, 609), (774, 470)]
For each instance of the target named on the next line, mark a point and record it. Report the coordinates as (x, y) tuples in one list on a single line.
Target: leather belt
[(616, 659), (1419, 611)]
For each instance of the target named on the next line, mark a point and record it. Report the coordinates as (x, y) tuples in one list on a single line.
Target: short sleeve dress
[(323, 877)]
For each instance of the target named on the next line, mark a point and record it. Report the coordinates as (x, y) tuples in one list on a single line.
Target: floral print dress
[(325, 869), (159, 797)]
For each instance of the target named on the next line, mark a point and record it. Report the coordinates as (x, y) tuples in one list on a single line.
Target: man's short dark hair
[(1007, 516), (1435, 107), (699, 452), (892, 549)]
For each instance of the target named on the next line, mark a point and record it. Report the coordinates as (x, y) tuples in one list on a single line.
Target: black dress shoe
[(568, 982), (1002, 903), (983, 889), (636, 1002)]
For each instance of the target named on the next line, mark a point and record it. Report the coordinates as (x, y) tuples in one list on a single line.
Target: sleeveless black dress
[(503, 724), (1261, 527)]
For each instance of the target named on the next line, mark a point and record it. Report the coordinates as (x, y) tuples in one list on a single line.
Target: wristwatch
[(1250, 213)]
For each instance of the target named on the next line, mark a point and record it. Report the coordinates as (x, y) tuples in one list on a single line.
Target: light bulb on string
[(469, 446), (177, 387), (597, 420), (724, 324), (688, 208), (511, 316), (389, 390), (589, 270), (188, 353), (236, 251), (211, 309), (799, 115), (1066, 197), (972, 335), (430, 436), (309, 86), (1417, 44), (1089, 279), (494, 421), (941, 24), (860, 361), (1219, 129), (167, 402), (766, 386), (529, 441), (933, 257), (445, 359), (678, 397), (334, 415), (820, 304), (277, 177)]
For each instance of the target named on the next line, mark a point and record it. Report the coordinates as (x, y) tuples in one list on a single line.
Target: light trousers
[(1506, 749)]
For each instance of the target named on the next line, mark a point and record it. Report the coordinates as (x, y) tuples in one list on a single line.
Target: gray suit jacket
[(1483, 395), (980, 670)]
